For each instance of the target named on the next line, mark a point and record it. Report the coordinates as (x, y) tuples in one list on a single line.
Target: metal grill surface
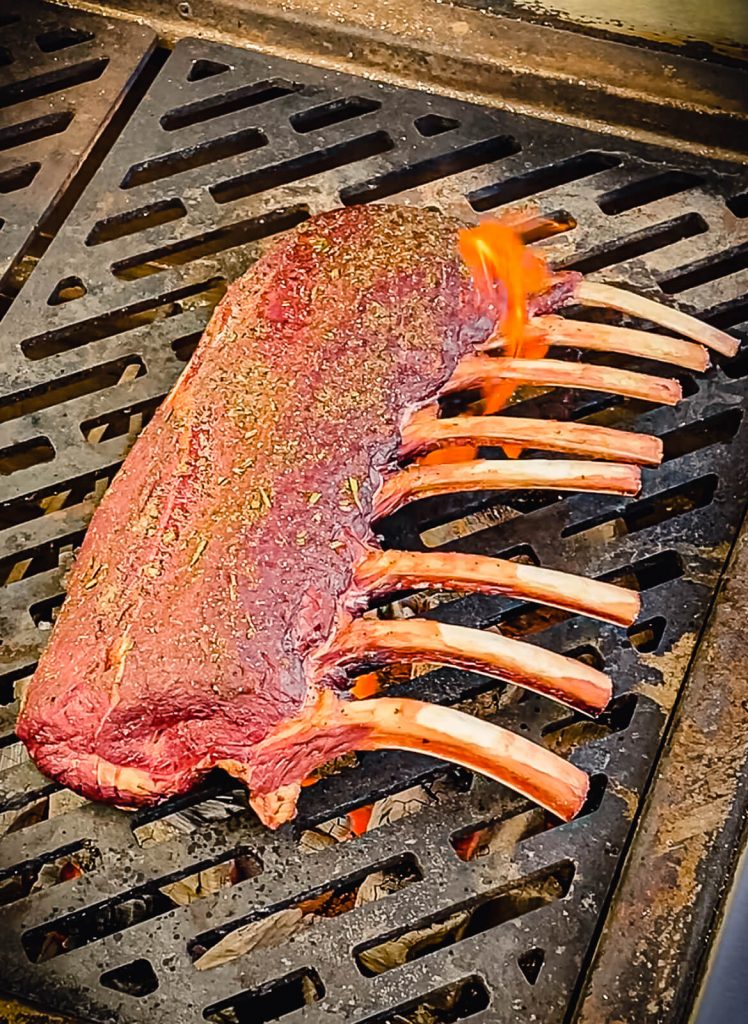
[(62, 78), (226, 149)]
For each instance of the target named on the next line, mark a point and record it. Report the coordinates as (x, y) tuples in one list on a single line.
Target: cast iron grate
[(63, 75), (226, 149)]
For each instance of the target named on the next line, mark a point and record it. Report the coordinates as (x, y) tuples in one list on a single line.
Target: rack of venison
[(216, 612)]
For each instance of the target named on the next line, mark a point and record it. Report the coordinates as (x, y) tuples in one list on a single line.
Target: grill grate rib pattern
[(226, 149), (62, 78)]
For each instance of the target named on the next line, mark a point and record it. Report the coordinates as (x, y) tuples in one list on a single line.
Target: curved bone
[(443, 732), (390, 723), (423, 432), (590, 293), (494, 475), (382, 572), (477, 371), (412, 640), (626, 340)]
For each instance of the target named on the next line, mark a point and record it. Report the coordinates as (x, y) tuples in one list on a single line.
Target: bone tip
[(730, 345)]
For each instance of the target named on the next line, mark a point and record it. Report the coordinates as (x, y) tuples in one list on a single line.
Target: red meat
[(198, 621)]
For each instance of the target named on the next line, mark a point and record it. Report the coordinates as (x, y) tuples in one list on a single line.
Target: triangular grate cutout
[(66, 290), (531, 964), (435, 124), (204, 68)]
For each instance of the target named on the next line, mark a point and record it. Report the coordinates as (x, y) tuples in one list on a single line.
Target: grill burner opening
[(174, 181)]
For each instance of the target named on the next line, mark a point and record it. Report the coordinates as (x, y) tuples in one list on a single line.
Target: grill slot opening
[(335, 112), (648, 572), (8, 681), (577, 730), (272, 927), (52, 81), (50, 869), (66, 290), (636, 244), (542, 179), (641, 515), (204, 808), (531, 963), (647, 636), (693, 437), (79, 491), (122, 320), (648, 190), (127, 422), (42, 805), (42, 558), (204, 68), (15, 801), (458, 1001), (301, 167), (711, 268), (422, 172), (44, 613), (386, 810), (184, 346), (25, 454), (135, 979), (270, 1001), (18, 177), (133, 221), (141, 903), (62, 38), (523, 821), (159, 167), (155, 261), (73, 385), (728, 314), (37, 128), (508, 903), (435, 124), (738, 205), (547, 226), (226, 103)]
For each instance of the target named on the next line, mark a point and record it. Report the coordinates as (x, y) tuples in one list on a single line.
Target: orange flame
[(506, 274)]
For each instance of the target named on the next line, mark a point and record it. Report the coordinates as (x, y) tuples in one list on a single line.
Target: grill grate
[(226, 149), (62, 78)]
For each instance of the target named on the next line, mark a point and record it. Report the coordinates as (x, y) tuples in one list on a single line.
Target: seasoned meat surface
[(222, 553)]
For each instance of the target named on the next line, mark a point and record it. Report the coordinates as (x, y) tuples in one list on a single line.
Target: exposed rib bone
[(589, 293), (411, 640), (382, 572), (524, 766), (389, 723), (626, 340), (488, 475), (423, 432), (477, 371)]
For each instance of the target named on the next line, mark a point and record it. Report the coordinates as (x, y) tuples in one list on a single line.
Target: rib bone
[(411, 640), (589, 293), (389, 723), (477, 371), (488, 475), (423, 432), (382, 572), (626, 340)]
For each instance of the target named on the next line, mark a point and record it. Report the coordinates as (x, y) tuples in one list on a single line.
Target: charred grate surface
[(492, 905), (63, 75)]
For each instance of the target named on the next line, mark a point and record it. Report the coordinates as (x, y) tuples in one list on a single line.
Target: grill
[(137, 182)]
